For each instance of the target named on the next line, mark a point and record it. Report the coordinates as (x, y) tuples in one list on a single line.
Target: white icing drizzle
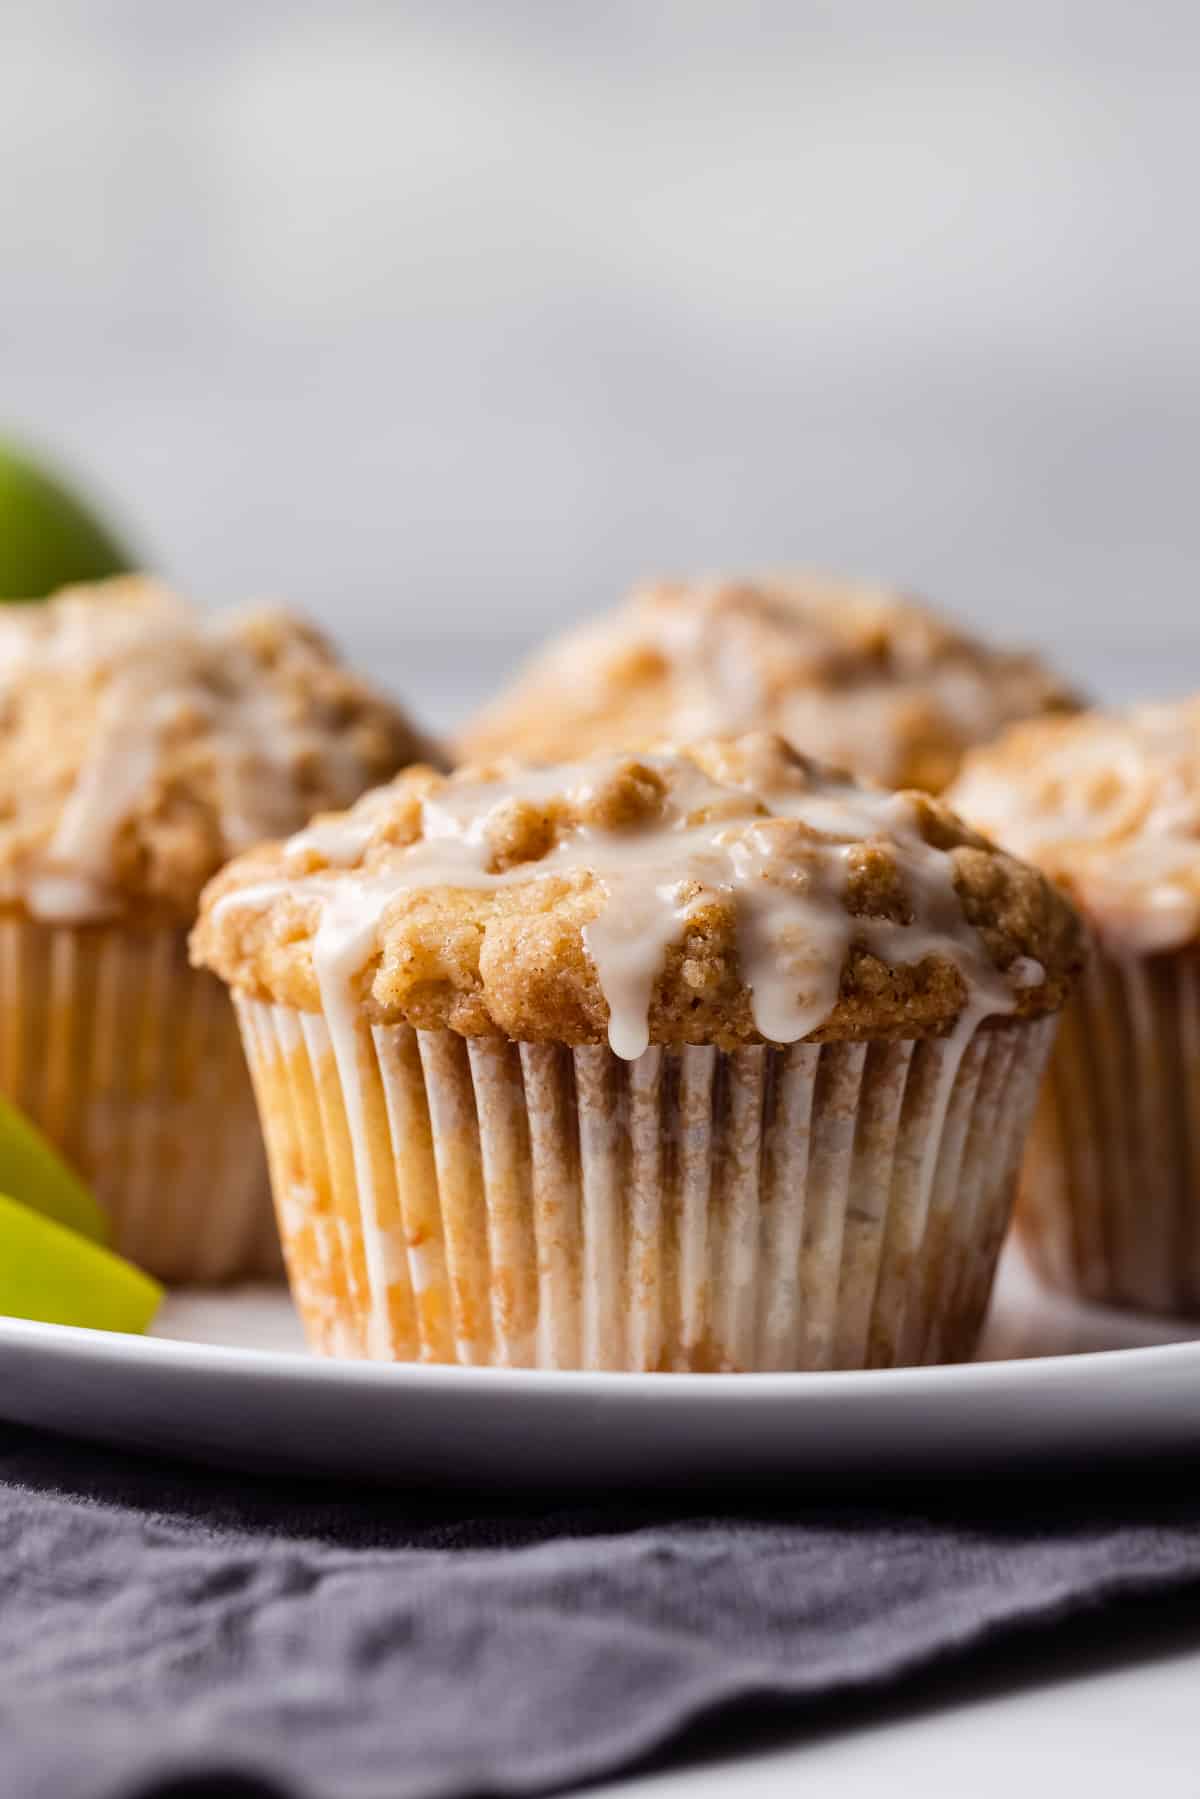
[(120, 765), (627, 944), (1111, 805), (720, 655), (849, 673), (341, 838), (718, 685), (782, 852), (167, 672)]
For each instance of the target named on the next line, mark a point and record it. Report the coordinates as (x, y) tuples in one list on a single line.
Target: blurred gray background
[(447, 320)]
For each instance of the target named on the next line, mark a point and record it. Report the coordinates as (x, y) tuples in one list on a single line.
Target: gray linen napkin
[(167, 1632)]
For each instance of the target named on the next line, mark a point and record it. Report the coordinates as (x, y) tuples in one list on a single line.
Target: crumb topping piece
[(729, 893), (855, 675), (1108, 804), (145, 743)]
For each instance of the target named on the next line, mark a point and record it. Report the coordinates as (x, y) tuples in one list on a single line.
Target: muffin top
[(732, 892), (855, 675), (142, 744), (1108, 804)]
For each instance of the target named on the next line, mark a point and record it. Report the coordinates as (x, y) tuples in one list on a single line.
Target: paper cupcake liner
[(129, 1061), (478, 1201), (1110, 1194)]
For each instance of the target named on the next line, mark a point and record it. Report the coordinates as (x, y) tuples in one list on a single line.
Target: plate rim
[(232, 1359)]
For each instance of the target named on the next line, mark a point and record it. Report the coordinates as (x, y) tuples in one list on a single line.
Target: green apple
[(48, 535), (40, 1178), (58, 1277)]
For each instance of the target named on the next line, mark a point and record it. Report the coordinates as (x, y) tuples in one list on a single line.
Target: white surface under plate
[(226, 1379)]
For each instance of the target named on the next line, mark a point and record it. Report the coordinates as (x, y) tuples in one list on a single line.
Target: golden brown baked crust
[(858, 676), (472, 901), (143, 744), (1108, 805)]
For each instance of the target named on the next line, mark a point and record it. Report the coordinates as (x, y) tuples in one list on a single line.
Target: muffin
[(1109, 807), (855, 675), (705, 1059), (142, 745)]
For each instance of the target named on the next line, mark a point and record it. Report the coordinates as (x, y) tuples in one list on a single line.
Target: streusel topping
[(1108, 804), (144, 743), (732, 892), (856, 675)]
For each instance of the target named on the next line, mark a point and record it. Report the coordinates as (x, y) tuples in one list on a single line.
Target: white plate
[(225, 1379)]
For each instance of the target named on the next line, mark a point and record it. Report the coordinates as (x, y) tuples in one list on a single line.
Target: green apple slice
[(48, 535), (54, 1275), (40, 1178)]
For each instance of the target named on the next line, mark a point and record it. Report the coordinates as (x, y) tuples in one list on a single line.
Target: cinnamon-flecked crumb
[(468, 899), (142, 744), (859, 676)]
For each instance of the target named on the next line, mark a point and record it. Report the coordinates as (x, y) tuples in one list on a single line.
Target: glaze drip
[(771, 834), (230, 723), (856, 675), (1108, 804)]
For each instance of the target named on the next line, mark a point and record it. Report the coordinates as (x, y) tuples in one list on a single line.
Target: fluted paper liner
[(1110, 1194), (479, 1201), (129, 1061)]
